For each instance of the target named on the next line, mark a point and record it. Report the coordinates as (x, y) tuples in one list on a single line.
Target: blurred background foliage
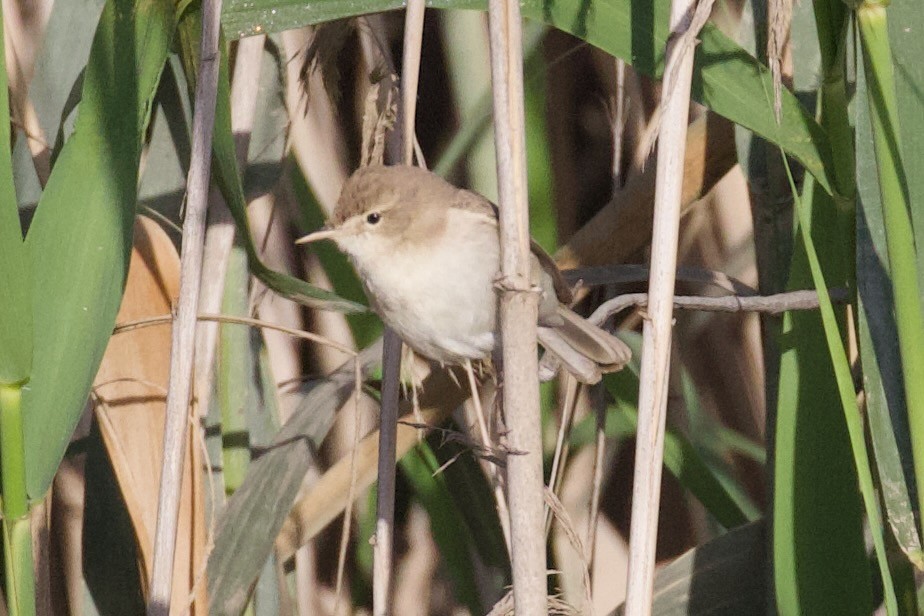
[(772, 502)]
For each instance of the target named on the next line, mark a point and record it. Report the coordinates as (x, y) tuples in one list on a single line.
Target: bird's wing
[(562, 290), (473, 202)]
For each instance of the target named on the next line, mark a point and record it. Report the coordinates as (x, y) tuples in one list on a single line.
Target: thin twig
[(768, 304), (560, 458), (503, 512), (656, 345), (518, 313), (221, 318), (593, 516), (181, 356)]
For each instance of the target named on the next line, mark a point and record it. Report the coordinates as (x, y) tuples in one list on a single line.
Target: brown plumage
[(428, 253)]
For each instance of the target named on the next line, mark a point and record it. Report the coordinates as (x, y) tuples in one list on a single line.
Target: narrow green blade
[(820, 561)]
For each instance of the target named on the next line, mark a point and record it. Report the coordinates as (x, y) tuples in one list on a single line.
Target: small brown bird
[(428, 255)]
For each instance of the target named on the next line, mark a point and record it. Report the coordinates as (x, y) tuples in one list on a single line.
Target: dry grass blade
[(220, 318), (555, 606), (129, 399), (780, 19), (623, 225), (379, 117), (560, 514)]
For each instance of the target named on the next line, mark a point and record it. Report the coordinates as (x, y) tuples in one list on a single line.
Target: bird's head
[(386, 209)]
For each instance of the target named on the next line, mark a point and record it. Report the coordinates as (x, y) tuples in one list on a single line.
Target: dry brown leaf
[(130, 393), (624, 224)]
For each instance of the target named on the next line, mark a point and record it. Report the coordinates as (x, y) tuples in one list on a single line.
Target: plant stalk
[(658, 327), (893, 187), (184, 328), (17, 535), (519, 306)]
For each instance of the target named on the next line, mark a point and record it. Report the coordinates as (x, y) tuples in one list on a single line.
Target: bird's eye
[(373, 218)]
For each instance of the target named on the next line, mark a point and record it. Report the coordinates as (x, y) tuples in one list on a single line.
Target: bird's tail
[(585, 350)]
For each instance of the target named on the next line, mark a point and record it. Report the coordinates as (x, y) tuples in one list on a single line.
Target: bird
[(428, 255)]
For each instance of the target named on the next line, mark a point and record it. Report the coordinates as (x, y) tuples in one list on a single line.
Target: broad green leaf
[(880, 357), (264, 499), (16, 304), (228, 178), (727, 79), (820, 562), (80, 239), (893, 168), (905, 24), (724, 576)]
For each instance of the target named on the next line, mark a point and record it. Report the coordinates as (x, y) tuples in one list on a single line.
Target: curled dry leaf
[(379, 116), (130, 394)]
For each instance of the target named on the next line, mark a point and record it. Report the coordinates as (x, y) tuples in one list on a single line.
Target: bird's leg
[(487, 443), (560, 458), (486, 440), (412, 379)]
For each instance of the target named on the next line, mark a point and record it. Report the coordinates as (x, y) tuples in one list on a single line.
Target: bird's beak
[(324, 233)]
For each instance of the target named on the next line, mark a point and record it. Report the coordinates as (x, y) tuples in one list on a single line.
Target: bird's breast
[(440, 297)]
